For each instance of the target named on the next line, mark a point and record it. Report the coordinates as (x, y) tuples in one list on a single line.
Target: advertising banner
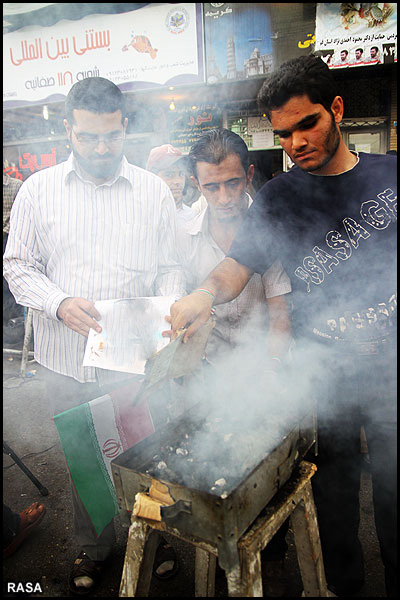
[(238, 40), (145, 48), (356, 35)]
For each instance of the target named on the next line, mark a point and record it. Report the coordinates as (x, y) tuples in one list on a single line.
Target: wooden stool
[(294, 500)]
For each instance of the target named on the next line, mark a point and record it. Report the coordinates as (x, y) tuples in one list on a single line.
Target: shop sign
[(356, 35), (238, 41), (13, 171), (261, 131), (29, 162), (187, 125), (148, 47)]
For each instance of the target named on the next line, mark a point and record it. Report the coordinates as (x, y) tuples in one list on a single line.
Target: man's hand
[(192, 312), (79, 315)]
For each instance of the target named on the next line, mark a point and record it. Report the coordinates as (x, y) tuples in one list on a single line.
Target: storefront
[(209, 80)]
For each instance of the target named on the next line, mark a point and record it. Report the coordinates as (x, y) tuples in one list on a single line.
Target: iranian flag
[(95, 433)]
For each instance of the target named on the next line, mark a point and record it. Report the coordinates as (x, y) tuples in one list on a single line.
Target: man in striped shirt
[(91, 228)]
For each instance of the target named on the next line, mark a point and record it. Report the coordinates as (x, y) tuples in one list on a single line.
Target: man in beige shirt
[(219, 161), (260, 314)]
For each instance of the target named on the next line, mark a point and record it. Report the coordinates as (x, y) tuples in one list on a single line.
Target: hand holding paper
[(131, 333)]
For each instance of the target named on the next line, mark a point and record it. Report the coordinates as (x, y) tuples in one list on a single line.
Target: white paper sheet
[(131, 333)]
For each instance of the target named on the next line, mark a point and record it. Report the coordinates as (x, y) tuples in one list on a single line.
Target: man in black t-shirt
[(332, 222)]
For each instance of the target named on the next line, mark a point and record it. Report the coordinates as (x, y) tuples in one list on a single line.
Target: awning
[(17, 15)]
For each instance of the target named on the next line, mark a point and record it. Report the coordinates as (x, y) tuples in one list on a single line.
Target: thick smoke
[(249, 410), (234, 418)]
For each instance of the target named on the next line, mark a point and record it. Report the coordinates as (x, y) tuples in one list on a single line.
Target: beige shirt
[(200, 204), (184, 214), (245, 316)]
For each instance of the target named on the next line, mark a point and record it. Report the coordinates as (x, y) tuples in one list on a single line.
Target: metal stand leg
[(18, 461), (27, 341)]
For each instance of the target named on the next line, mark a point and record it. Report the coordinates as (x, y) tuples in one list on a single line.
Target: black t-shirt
[(336, 237)]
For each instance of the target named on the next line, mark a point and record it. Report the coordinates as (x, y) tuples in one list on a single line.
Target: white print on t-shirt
[(379, 319), (377, 214)]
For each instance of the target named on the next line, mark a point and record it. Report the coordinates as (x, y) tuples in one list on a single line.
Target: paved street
[(47, 555)]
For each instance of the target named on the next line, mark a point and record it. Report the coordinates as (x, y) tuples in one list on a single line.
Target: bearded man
[(91, 228)]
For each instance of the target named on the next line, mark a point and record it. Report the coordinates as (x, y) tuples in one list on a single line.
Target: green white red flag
[(95, 433)]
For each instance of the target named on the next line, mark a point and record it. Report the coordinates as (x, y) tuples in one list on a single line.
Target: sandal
[(89, 572), (165, 562), (30, 518)]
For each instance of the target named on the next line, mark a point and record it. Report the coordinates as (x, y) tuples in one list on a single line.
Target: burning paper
[(131, 333)]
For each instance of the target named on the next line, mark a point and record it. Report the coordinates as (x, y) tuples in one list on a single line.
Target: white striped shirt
[(70, 237)]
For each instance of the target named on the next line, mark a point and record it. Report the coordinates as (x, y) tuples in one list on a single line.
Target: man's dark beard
[(100, 170), (330, 146)]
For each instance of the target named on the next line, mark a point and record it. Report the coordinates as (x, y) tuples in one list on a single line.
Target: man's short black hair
[(215, 145), (95, 94), (306, 75)]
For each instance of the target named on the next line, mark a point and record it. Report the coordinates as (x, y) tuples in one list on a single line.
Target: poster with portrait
[(356, 34)]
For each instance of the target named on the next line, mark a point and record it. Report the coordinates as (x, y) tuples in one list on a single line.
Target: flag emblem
[(111, 448)]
